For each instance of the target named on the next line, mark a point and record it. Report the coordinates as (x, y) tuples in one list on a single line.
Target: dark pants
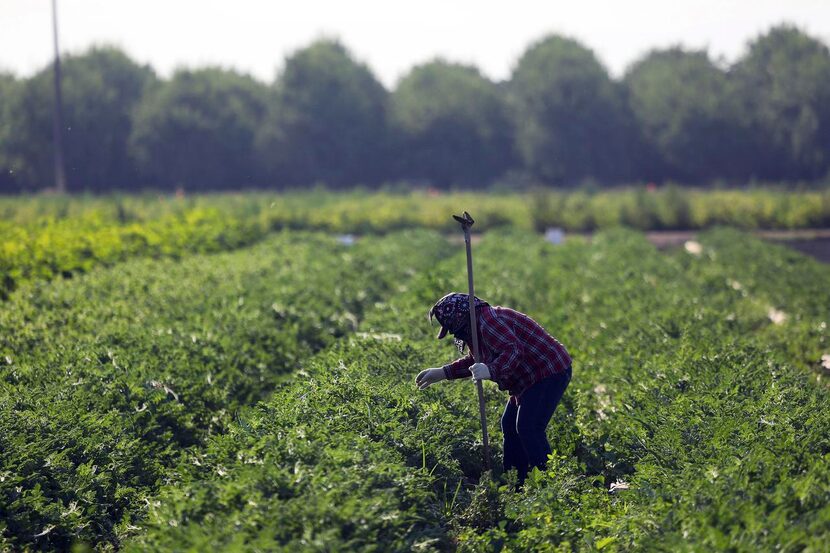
[(525, 443)]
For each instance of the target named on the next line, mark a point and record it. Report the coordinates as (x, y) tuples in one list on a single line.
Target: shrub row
[(64, 247), (53, 236), (683, 429), (108, 380), (687, 429)]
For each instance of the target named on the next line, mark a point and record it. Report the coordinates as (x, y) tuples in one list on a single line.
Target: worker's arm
[(460, 368)]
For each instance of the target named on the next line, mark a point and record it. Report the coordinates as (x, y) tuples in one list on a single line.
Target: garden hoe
[(467, 222)]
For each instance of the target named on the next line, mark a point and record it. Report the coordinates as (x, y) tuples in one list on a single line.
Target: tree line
[(559, 120)]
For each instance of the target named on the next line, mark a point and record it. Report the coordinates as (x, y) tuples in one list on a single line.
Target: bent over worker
[(518, 355)]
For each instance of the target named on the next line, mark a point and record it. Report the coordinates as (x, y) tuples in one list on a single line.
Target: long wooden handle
[(482, 413)]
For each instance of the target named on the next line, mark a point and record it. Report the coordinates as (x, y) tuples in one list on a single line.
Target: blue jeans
[(525, 442)]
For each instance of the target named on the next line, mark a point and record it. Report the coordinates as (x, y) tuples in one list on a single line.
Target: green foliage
[(326, 463), (100, 89), (680, 394), (719, 439), (676, 116), (672, 207), (571, 120), (9, 89), (51, 236), (782, 86), (109, 381), (681, 102), (63, 247), (212, 115), (694, 420), (454, 125), (327, 122), (780, 284)]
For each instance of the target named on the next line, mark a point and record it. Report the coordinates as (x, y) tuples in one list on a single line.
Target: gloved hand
[(429, 377), (480, 372)]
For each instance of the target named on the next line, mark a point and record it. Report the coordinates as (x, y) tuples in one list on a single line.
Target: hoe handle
[(466, 222)]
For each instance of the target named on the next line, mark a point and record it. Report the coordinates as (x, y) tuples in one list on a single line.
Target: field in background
[(44, 236), (663, 208)]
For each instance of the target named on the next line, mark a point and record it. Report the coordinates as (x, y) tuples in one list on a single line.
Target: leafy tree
[(453, 123), (8, 92), (681, 103), (783, 84), (572, 121), (100, 89), (197, 130), (327, 122)]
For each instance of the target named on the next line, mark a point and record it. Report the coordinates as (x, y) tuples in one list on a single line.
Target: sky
[(254, 36)]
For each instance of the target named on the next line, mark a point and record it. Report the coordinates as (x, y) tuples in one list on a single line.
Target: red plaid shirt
[(516, 349)]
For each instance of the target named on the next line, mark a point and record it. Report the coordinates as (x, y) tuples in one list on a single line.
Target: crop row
[(57, 236), (788, 288), (107, 381), (683, 376), (669, 207), (48, 248), (685, 428), (717, 433)]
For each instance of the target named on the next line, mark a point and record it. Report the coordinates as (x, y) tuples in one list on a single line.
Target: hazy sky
[(391, 36)]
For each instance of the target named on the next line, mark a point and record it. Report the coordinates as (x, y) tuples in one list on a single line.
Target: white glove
[(480, 372), (428, 377)]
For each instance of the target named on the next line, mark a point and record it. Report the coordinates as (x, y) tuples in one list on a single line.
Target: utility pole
[(57, 119)]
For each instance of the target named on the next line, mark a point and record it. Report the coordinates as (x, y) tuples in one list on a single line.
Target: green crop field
[(225, 374), (42, 237)]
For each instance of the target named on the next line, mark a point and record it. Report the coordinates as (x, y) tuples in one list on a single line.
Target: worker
[(517, 354)]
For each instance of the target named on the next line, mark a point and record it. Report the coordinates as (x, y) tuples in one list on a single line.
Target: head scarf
[(453, 313)]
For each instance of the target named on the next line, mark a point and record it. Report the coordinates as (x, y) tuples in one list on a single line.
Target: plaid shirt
[(516, 349)]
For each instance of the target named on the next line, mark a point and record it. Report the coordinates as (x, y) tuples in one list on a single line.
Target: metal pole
[(57, 119), (466, 222)]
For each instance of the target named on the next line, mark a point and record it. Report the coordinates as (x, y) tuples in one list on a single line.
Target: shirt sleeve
[(460, 368), (507, 349)]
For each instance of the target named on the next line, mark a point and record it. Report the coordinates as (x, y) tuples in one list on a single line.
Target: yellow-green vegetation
[(41, 237)]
